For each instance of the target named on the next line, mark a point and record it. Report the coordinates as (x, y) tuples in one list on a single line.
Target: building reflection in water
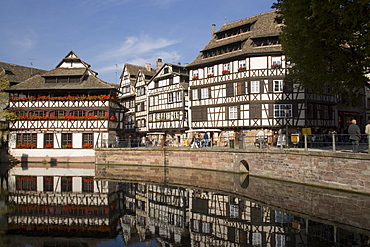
[(70, 204)]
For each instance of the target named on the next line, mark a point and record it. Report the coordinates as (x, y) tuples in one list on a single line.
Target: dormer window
[(234, 31), (236, 46), (166, 70), (266, 41)]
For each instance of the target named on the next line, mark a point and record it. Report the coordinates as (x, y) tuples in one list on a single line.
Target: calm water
[(200, 209)]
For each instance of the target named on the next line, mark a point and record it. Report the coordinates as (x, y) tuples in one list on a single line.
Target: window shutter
[(271, 86), (229, 89)]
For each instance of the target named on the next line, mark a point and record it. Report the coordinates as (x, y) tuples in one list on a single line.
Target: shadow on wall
[(24, 161)]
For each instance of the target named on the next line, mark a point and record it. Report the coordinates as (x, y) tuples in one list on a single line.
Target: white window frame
[(276, 61), (195, 94), (242, 63), (278, 86), (227, 66), (204, 93), (210, 70), (279, 111), (233, 112), (255, 86)]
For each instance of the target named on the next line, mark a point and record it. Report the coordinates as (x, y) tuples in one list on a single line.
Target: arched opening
[(243, 166)]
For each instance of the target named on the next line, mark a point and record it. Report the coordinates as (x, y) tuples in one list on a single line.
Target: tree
[(327, 44), (4, 98)]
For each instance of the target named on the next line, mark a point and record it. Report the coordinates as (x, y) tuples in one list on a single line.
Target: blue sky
[(108, 33)]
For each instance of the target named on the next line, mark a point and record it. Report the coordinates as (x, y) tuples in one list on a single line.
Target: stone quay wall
[(344, 171)]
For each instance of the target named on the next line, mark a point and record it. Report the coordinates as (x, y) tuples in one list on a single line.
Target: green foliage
[(327, 43), (4, 84)]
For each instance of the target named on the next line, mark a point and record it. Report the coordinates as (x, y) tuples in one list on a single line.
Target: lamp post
[(286, 111)]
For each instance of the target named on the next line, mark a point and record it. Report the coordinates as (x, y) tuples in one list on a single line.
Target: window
[(205, 93), (227, 66), (210, 71), (48, 140), (78, 113), (240, 88), (278, 86), (66, 140), (66, 184), (59, 113), (99, 113), (21, 113), (276, 62), (195, 94), (242, 64), (27, 183), (256, 239), (255, 86), (233, 112), (282, 111), (87, 140), (48, 183), (170, 98), (38, 113), (26, 140), (87, 184)]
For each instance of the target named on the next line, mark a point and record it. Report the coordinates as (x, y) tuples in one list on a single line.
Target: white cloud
[(136, 47)]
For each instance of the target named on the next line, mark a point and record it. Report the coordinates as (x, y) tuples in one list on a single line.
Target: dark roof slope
[(18, 73), (38, 83), (261, 25)]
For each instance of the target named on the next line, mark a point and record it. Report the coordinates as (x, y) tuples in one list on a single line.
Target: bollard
[(333, 137)]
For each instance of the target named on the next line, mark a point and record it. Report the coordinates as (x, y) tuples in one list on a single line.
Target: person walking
[(354, 135)]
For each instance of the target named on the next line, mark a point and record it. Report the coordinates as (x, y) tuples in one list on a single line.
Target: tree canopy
[(327, 43), (4, 98)]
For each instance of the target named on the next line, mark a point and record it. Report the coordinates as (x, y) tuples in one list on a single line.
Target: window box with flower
[(225, 72), (26, 146), (87, 145), (276, 66), (68, 145), (242, 68), (195, 77), (210, 75), (48, 145)]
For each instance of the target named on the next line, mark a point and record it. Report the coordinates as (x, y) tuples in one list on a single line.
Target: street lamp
[(286, 111)]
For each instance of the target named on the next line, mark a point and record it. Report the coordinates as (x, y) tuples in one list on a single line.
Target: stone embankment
[(343, 171)]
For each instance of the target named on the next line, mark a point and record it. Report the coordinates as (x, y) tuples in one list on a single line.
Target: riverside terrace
[(316, 166), (331, 142)]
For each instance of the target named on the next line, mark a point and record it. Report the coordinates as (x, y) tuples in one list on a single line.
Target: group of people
[(199, 141)]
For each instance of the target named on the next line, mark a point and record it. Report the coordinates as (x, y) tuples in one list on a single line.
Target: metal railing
[(330, 142)]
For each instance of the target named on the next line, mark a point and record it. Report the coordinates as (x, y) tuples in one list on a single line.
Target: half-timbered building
[(63, 113), (168, 100), (237, 82), (133, 96)]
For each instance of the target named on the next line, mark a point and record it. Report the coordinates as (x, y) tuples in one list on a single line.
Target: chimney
[(213, 29), (147, 66), (159, 63)]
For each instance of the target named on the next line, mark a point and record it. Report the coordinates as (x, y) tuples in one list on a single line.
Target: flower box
[(242, 69), (225, 72), (87, 145), (276, 66), (68, 145), (195, 77), (210, 75), (48, 145)]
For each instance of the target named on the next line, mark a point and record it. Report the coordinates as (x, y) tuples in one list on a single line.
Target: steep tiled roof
[(65, 72), (18, 73), (38, 83), (262, 25)]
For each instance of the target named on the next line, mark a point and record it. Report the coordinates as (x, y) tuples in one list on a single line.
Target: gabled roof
[(18, 73), (261, 26), (183, 70), (88, 78), (134, 69)]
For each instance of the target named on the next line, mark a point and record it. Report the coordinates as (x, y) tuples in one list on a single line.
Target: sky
[(109, 33)]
